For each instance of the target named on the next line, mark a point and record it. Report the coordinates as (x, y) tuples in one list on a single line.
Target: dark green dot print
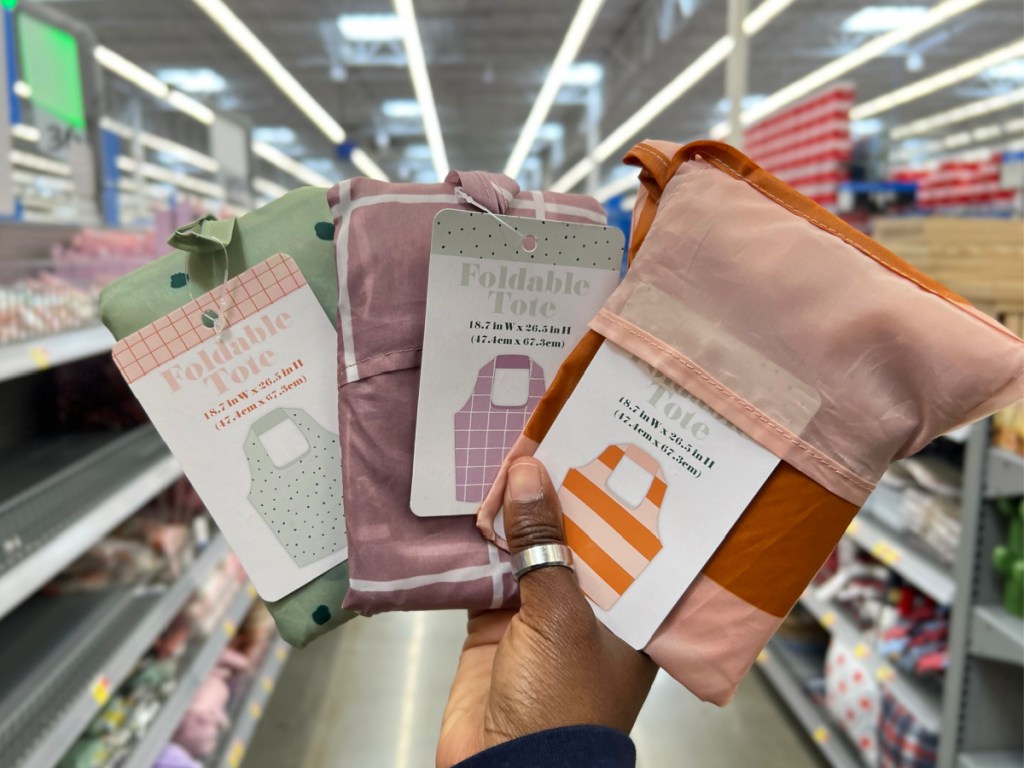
[(324, 230), (322, 615), (179, 280)]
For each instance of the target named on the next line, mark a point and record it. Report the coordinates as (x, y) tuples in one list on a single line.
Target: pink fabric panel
[(710, 640), (881, 365), (398, 561)]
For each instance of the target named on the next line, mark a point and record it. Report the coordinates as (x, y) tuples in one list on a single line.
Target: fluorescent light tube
[(289, 165), (365, 163), (421, 85), (253, 47), (938, 81), (160, 144), (133, 73), (268, 188), (855, 58), (753, 23), (957, 114), (577, 33), (191, 107), (617, 186)]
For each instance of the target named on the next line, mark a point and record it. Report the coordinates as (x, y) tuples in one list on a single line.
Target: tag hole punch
[(529, 243), (210, 318)]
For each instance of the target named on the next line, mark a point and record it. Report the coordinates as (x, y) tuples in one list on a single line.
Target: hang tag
[(507, 299), (251, 413), (650, 481)]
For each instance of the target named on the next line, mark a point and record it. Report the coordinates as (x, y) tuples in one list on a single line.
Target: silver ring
[(541, 556)]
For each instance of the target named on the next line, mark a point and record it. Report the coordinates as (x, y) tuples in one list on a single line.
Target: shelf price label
[(820, 734), (40, 357), (828, 619), (236, 753), (250, 590), (267, 684), (861, 651), (763, 656), (256, 711), (100, 690), (886, 552), (281, 653), (230, 627), (853, 527), (884, 673)]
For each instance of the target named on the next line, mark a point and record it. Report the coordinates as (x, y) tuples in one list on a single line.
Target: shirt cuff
[(592, 746)]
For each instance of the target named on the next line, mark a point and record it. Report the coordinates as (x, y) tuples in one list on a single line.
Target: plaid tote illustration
[(490, 422), (612, 529)]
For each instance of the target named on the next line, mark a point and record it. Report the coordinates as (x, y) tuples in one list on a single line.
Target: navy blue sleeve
[(575, 746)]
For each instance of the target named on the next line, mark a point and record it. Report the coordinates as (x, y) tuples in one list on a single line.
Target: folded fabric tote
[(398, 561), (298, 224), (734, 275)]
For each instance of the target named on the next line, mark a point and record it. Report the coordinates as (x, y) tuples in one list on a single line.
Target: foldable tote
[(815, 341), (299, 224), (399, 561)]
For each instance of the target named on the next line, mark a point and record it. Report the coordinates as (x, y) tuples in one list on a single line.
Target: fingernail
[(524, 482)]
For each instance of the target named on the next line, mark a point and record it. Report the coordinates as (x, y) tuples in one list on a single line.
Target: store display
[(827, 471), (852, 696), (36, 302), (397, 560), (903, 741)]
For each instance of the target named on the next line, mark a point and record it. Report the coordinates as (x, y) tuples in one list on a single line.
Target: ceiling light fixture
[(882, 18), (574, 38), (365, 163), (938, 81), (253, 47), (753, 23), (191, 107), (289, 165), (957, 114), (267, 188), (370, 27), (151, 84), (194, 79), (836, 68), (421, 85), (619, 186)]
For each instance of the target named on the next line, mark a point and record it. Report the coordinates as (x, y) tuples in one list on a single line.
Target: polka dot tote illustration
[(610, 514), (507, 390), (296, 483)]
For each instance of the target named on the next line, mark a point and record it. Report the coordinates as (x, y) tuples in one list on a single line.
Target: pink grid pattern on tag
[(183, 329), (485, 432)]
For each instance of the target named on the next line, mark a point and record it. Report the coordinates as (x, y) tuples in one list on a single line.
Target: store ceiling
[(487, 60)]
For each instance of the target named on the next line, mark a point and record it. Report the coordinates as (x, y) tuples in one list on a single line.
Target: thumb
[(533, 515)]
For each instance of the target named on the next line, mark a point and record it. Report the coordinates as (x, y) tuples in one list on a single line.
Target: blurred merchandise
[(1008, 558)]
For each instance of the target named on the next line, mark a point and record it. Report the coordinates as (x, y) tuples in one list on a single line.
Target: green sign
[(49, 64)]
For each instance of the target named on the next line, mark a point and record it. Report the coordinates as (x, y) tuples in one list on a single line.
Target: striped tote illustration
[(613, 538)]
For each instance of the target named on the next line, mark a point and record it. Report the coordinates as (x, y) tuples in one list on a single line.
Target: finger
[(533, 515)]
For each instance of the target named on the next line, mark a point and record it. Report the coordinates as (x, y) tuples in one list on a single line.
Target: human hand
[(550, 664)]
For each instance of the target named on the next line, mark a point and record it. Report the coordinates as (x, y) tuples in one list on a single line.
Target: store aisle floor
[(372, 694)]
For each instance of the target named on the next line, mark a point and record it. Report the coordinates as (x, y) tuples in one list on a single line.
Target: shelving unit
[(65, 495), (64, 656), (160, 730), (981, 704), (774, 664), (904, 556), (46, 352), (248, 715)]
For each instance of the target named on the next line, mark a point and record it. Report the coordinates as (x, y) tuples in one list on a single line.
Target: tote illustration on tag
[(295, 487), (507, 390), (610, 513)]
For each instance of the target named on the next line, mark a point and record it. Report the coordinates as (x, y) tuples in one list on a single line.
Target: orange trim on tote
[(636, 534), (599, 561)]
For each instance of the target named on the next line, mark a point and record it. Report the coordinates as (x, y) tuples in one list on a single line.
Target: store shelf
[(248, 716), (923, 700), (162, 728), (908, 559), (61, 497), (997, 635), (1004, 474), (39, 354), (64, 656), (990, 760), (815, 721)]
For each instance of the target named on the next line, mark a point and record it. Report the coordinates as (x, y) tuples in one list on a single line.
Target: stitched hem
[(819, 457)]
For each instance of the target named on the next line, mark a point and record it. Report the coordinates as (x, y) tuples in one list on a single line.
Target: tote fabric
[(299, 224), (399, 561), (275, 486), (612, 540), (486, 430), (878, 360)]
